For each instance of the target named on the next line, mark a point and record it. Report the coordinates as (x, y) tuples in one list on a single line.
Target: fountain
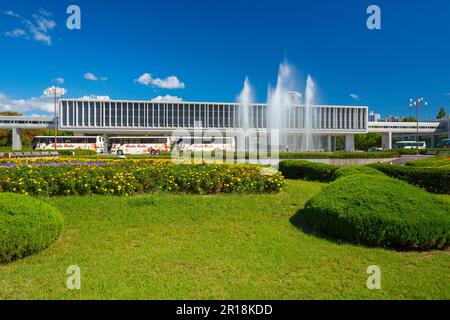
[(245, 100), (280, 103), (307, 138)]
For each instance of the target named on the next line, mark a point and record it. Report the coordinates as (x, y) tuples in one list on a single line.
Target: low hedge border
[(77, 152), (306, 170), (339, 155), (434, 180)]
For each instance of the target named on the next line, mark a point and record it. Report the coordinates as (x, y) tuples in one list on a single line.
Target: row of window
[(188, 115), (326, 118)]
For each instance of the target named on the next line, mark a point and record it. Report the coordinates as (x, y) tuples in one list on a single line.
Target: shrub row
[(339, 155), (434, 180), (133, 177), (77, 152), (27, 226), (377, 210), (306, 170), (420, 151)]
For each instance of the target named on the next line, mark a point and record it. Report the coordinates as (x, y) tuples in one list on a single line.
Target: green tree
[(442, 113), (368, 140), (410, 119)]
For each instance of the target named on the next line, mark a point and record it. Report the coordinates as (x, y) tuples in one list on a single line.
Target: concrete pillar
[(434, 141), (105, 143), (294, 143), (16, 139), (386, 140), (329, 143), (350, 142)]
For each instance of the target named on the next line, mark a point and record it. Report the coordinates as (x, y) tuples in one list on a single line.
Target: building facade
[(127, 117)]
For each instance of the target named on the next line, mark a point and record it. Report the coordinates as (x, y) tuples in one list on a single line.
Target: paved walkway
[(404, 159)]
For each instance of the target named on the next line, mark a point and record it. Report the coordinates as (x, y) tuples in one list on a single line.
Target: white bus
[(206, 144), (94, 143), (138, 145), (410, 145)]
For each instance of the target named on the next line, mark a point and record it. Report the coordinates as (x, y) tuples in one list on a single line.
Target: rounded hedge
[(351, 170), (27, 226), (380, 211), (306, 170)]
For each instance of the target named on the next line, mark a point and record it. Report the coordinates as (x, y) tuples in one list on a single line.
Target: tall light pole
[(56, 117), (416, 104), (55, 92)]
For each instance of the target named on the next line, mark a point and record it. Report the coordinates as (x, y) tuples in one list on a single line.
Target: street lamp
[(416, 104), (55, 92)]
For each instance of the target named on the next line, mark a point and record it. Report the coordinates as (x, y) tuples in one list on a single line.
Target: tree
[(442, 114), (368, 140), (410, 119), (27, 134)]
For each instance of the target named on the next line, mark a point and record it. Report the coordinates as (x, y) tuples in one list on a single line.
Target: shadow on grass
[(298, 220)]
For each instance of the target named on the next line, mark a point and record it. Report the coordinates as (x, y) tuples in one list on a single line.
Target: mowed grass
[(212, 247)]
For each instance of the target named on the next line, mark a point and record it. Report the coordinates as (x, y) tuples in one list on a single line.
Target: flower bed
[(134, 177)]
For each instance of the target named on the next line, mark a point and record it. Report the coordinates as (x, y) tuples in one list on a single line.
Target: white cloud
[(171, 82), (16, 33), (95, 97), (11, 13), (92, 77), (38, 29), (354, 96), (167, 98), (37, 115), (34, 104), (59, 80)]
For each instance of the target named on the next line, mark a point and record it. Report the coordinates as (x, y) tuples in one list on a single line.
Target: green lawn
[(212, 247)]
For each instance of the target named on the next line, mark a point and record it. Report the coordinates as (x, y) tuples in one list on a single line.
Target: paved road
[(404, 159)]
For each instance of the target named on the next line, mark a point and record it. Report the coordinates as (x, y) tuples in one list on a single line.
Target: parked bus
[(444, 144), (94, 143), (138, 145), (207, 144), (410, 145)]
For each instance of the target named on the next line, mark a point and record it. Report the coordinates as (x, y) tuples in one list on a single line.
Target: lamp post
[(416, 104), (55, 92), (56, 117)]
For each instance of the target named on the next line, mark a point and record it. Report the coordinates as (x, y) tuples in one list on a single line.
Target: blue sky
[(202, 50)]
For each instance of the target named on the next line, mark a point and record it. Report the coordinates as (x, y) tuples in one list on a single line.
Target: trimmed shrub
[(380, 211), (348, 171), (27, 226), (434, 180), (77, 152), (306, 170), (339, 155)]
